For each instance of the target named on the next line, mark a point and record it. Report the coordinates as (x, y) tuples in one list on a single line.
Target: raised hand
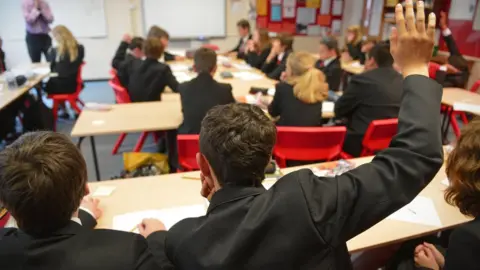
[(443, 20), (411, 44), (93, 206), (127, 38), (149, 226)]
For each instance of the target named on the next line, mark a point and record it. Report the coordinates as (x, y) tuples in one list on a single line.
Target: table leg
[(95, 160), (446, 124)]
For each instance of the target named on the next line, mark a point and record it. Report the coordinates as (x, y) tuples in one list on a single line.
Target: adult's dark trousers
[(38, 44)]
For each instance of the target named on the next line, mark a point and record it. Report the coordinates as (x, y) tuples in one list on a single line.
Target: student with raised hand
[(164, 36), (202, 93), (258, 48), (43, 178), (329, 62), (372, 95), (243, 27), (304, 221), (368, 45), (455, 73), (298, 98), (353, 44), (129, 49), (282, 46), (149, 77)]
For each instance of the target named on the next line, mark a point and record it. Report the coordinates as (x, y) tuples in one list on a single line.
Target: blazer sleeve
[(345, 206), (333, 74), (462, 248), (143, 255), (274, 109), (355, 51), (348, 102), (88, 221), (157, 244), (451, 45), (52, 57), (120, 55), (277, 72), (257, 60), (237, 48), (171, 80), (268, 67)]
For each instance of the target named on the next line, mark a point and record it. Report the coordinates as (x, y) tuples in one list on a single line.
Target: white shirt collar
[(280, 56), (245, 38), (328, 61)]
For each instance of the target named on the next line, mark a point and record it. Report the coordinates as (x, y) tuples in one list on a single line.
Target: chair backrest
[(309, 143), (188, 148), (211, 46), (432, 69), (379, 135), (475, 87), (79, 78), (121, 94)]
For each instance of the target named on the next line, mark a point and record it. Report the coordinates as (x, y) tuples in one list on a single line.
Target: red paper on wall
[(324, 20), (275, 27), (262, 22), (289, 27)]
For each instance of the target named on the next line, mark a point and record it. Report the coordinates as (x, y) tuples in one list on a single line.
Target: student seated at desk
[(129, 49), (282, 46), (303, 221), (372, 95), (162, 34), (353, 47), (202, 93), (329, 62), (258, 48), (298, 98), (149, 77), (65, 60), (243, 27), (43, 178), (368, 45), (455, 73), (464, 192)]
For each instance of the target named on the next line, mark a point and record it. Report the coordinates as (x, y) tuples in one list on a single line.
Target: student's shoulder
[(467, 232), (6, 232), (224, 86), (113, 237), (283, 86)]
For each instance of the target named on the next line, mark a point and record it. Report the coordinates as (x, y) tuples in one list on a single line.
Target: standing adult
[(38, 16)]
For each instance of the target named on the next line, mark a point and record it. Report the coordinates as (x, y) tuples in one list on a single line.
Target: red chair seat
[(188, 148)]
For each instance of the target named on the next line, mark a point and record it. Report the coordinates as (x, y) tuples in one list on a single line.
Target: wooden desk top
[(172, 190), (8, 96), (453, 95)]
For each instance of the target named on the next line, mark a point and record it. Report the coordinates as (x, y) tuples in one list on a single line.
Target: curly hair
[(463, 171)]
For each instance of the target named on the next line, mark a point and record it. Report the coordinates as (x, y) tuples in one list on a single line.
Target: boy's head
[(463, 171), (283, 42), (205, 61), (328, 48), (160, 33), (236, 143), (369, 44), (243, 27), (136, 47), (379, 56), (43, 178), (153, 48)]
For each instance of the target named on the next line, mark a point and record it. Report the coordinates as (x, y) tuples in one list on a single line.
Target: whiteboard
[(186, 18), (85, 18)]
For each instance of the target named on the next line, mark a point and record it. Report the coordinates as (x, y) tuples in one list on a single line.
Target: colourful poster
[(313, 3), (262, 7), (276, 14), (262, 22), (288, 12)]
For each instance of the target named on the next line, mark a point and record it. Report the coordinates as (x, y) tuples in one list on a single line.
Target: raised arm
[(447, 35), (46, 11), (30, 13), (368, 194), (120, 55)]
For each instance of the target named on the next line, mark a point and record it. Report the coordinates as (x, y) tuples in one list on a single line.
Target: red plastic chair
[(463, 115), (211, 46), (432, 70), (122, 97), (378, 136), (113, 73), (71, 98), (308, 144), (187, 151)]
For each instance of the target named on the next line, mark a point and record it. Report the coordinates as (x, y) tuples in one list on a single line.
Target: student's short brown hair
[(331, 43), (157, 32), (136, 43), (463, 171), (286, 39), (205, 60), (43, 179), (237, 140), (153, 48), (243, 24)]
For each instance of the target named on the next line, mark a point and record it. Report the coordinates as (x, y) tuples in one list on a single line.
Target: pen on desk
[(412, 211), (190, 177), (134, 228)]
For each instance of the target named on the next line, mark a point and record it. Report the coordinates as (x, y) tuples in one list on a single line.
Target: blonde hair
[(308, 82), (66, 42), (357, 30)]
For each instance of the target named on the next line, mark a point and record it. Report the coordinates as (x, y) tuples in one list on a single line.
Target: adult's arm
[(344, 206), (120, 55), (30, 13), (46, 11), (157, 244), (351, 97)]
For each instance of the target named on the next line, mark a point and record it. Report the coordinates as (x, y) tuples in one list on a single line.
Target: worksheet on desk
[(421, 211)]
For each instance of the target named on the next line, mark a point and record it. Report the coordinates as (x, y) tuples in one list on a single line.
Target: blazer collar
[(229, 194), (71, 228), (204, 76)]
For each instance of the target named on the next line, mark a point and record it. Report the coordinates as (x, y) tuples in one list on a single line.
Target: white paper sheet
[(179, 67), (467, 107), (421, 211), (247, 76), (169, 216), (41, 70), (337, 7), (182, 76), (269, 182), (325, 8), (241, 66), (103, 191), (271, 91), (328, 106)]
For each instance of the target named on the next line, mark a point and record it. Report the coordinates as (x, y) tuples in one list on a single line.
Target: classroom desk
[(353, 67), (8, 96), (172, 190), (129, 118), (450, 97)]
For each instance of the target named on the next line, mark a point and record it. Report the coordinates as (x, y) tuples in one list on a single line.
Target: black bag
[(37, 116)]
